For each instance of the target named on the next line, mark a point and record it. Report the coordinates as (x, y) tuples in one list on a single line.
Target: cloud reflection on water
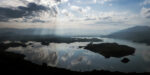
[(52, 54), (146, 55), (39, 55)]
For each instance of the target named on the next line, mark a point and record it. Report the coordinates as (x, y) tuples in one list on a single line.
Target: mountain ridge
[(137, 34)]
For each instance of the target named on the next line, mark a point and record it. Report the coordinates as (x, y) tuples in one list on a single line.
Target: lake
[(70, 56)]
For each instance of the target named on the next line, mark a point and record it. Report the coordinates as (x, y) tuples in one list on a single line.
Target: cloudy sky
[(103, 16)]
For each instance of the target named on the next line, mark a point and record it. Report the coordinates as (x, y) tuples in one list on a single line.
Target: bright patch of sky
[(94, 15)]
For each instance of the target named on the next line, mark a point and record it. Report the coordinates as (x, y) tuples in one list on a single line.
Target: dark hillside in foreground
[(139, 34)]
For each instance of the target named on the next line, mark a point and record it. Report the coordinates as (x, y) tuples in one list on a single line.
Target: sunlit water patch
[(70, 56)]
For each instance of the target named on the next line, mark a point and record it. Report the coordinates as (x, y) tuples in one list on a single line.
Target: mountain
[(139, 34)]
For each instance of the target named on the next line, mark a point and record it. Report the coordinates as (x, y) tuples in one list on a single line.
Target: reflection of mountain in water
[(136, 34)]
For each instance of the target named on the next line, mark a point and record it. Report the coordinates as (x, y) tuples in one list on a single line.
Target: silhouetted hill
[(136, 34)]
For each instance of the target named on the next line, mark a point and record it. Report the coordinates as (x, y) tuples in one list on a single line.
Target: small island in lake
[(125, 60), (111, 49)]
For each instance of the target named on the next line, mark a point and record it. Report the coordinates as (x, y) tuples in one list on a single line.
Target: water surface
[(70, 56)]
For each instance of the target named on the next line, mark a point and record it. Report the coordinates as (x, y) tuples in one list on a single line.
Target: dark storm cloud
[(87, 19), (145, 12), (19, 12)]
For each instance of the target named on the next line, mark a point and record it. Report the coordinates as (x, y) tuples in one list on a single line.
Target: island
[(125, 60), (111, 49)]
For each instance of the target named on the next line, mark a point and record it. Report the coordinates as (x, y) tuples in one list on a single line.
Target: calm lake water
[(70, 56)]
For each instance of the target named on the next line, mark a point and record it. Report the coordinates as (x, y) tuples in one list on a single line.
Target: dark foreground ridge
[(15, 64), (111, 49)]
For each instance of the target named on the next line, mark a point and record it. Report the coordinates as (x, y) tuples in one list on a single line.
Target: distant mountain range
[(139, 34), (40, 35), (26, 34)]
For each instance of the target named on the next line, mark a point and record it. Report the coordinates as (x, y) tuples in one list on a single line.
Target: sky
[(75, 16)]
